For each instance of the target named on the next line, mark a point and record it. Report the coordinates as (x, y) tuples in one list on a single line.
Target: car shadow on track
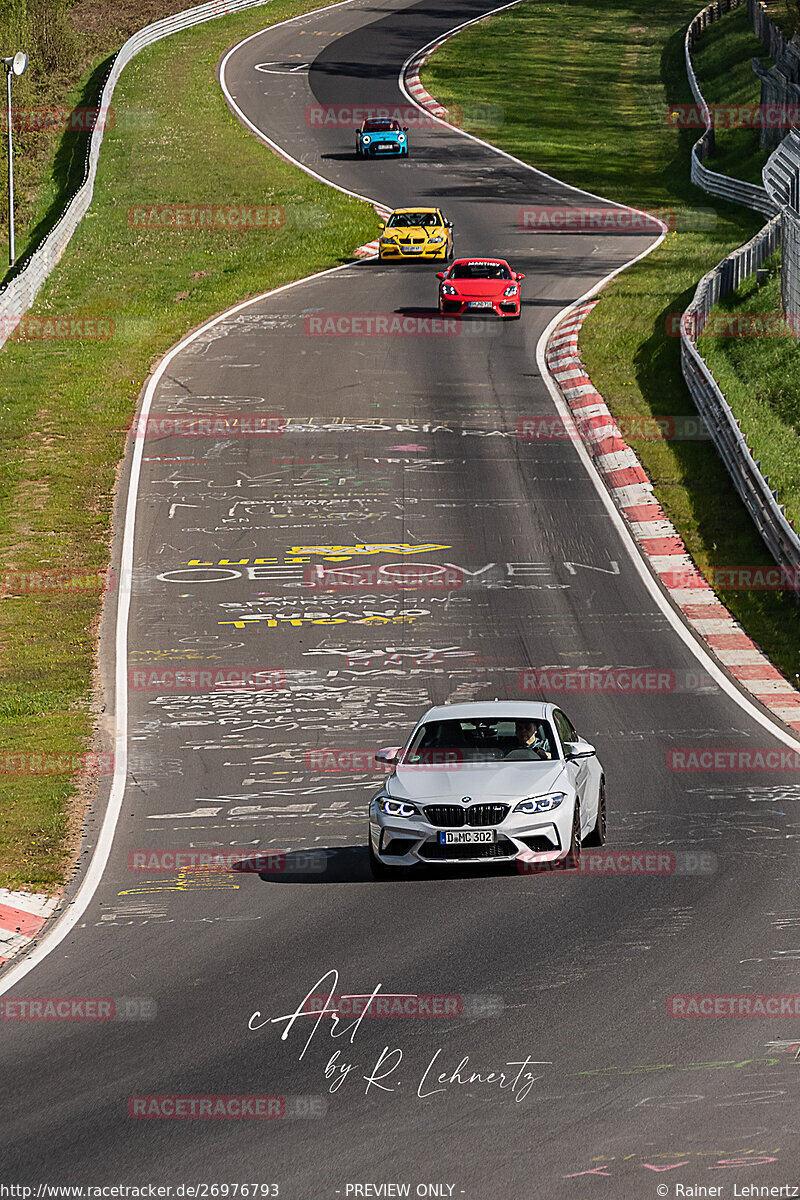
[(350, 864)]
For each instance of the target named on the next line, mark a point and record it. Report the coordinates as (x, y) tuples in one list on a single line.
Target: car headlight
[(434, 241), (397, 808), (401, 137), (448, 290), (388, 239), (541, 803), (511, 291), (365, 140)]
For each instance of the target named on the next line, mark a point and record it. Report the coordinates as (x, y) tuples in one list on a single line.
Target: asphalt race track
[(408, 445)]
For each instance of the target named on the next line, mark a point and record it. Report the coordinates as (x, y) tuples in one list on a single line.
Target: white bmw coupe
[(488, 782)]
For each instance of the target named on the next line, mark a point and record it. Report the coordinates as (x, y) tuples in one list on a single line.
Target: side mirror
[(405, 129), (381, 224), (440, 274), (518, 275), (388, 755), (575, 750)]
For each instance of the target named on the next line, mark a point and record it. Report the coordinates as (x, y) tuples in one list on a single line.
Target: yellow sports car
[(416, 233)]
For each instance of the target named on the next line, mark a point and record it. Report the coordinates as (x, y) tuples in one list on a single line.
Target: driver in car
[(530, 741)]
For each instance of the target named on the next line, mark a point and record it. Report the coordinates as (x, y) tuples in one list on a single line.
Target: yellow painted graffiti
[(302, 554), (274, 622), (184, 881)]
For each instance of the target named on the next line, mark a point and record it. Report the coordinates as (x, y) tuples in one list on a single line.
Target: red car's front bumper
[(457, 306)]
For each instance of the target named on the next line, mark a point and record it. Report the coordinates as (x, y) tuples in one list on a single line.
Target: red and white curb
[(22, 915), (655, 534), (370, 249), (423, 98), (411, 74)]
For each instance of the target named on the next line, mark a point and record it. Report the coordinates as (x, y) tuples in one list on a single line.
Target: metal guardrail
[(21, 291), (749, 194), (765, 29), (782, 180), (752, 486)]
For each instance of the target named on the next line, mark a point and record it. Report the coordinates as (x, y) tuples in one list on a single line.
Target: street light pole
[(15, 65)]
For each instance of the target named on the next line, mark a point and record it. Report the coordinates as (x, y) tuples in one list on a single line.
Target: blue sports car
[(377, 138)]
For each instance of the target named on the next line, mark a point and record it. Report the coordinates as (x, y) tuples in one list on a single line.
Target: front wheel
[(598, 835), (573, 858)]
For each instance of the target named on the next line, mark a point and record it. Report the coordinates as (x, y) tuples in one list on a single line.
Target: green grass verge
[(598, 119), (761, 378), (759, 375), (723, 57), (66, 405), (786, 15)]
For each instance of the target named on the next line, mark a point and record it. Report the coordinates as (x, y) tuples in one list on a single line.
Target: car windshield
[(481, 740), (380, 127), (480, 270), (411, 219)]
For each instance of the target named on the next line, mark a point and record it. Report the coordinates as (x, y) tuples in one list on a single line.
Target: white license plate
[(480, 304), (467, 837)]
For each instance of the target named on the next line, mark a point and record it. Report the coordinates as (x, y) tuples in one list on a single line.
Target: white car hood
[(484, 782)]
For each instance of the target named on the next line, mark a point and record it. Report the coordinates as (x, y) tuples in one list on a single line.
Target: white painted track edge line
[(667, 606), (263, 136), (419, 55), (669, 610), (65, 922)]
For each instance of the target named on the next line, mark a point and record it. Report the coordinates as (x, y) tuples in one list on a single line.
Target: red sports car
[(480, 284)]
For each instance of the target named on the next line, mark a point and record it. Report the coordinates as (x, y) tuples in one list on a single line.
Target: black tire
[(598, 835), (573, 859), (452, 252)]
